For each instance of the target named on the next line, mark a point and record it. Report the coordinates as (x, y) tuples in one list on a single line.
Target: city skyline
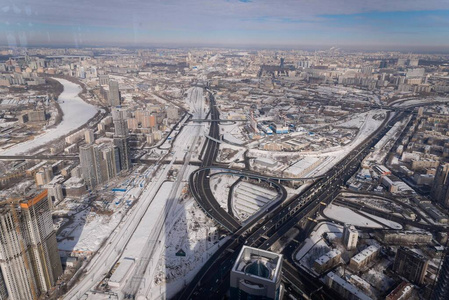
[(380, 25)]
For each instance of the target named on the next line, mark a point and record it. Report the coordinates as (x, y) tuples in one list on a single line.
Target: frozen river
[(76, 113)]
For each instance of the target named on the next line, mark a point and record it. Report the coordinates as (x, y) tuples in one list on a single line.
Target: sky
[(358, 24)]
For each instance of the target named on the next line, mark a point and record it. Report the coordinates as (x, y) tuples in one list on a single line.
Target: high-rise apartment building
[(441, 290), (89, 167), (29, 259), (410, 265), (121, 139), (350, 237), (99, 163), (119, 118), (103, 79), (440, 186), (89, 136), (114, 93), (122, 143)]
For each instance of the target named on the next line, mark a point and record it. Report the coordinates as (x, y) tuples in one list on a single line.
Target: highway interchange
[(268, 228)]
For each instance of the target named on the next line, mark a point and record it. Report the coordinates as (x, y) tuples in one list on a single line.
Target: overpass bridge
[(217, 121)]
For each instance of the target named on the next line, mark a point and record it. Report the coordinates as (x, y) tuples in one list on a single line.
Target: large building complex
[(29, 258)]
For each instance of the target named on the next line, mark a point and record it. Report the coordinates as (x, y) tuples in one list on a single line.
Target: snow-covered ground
[(346, 215), (76, 113), (315, 245), (389, 223), (195, 234), (249, 198), (232, 133), (88, 229), (87, 232), (220, 185)]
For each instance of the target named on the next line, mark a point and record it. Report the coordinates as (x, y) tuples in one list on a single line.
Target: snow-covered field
[(315, 241), (76, 113), (346, 215), (249, 198), (220, 186), (386, 222), (232, 133), (195, 234)]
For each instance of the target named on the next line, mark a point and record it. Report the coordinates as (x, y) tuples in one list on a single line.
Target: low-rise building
[(361, 259), (401, 292), (327, 261), (404, 237), (344, 288)]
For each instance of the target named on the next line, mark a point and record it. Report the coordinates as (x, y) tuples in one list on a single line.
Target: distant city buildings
[(89, 136), (103, 80), (119, 118), (121, 138)]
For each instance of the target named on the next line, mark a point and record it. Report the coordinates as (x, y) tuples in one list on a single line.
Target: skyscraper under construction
[(29, 258)]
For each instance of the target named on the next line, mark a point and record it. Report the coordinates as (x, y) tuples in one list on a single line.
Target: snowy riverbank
[(76, 113)]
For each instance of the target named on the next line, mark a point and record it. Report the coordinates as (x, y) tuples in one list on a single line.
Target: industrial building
[(256, 274)]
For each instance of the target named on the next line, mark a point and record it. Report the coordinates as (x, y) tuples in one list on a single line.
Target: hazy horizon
[(359, 25)]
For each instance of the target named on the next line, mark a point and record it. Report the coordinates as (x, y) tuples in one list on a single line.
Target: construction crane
[(13, 204)]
